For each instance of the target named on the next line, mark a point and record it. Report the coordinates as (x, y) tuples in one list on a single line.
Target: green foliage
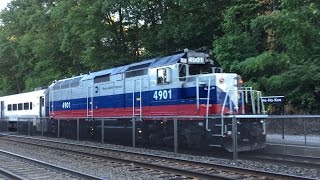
[(274, 45), (240, 41), (41, 41), (280, 49)]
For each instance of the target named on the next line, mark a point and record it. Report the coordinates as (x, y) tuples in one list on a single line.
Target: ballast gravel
[(124, 173)]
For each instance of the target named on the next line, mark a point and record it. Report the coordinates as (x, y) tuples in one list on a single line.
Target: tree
[(289, 66)]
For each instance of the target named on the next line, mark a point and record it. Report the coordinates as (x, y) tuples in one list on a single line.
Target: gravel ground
[(121, 173), (50, 156)]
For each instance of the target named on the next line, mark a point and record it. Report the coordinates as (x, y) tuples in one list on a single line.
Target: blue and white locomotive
[(188, 85)]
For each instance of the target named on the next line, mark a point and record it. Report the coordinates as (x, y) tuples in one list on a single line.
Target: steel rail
[(10, 175), (48, 165), (311, 162), (169, 169)]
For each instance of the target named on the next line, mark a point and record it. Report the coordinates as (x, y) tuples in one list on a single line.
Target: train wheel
[(183, 143), (156, 138)]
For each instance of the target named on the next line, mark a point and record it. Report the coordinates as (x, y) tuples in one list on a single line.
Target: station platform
[(8, 132), (296, 145)]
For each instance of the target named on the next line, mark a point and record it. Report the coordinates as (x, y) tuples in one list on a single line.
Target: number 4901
[(162, 95)]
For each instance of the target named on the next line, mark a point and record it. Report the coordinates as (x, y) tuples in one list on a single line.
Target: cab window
[(161, 76), (200, 69), (182, 72)]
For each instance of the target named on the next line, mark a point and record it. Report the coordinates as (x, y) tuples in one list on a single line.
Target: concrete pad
[(297, 150), (275, 149), (312, 151)]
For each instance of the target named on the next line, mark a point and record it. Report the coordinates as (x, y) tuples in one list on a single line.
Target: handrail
[(258, 101), (133, 97), (197, 93), (140, 97), (253, 103), (242, 103), (207, 108), (246, 92), (222, 112), (224, 103), (90, 106)]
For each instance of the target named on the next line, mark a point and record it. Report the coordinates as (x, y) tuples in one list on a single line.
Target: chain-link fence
[(295, 130), (169, 133), (123, 131), (4, 125), (179, 132)]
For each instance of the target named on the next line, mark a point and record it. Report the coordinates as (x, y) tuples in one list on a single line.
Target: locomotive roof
[(151, 63)]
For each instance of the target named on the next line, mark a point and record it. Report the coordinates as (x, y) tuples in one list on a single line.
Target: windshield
[(200, 69)]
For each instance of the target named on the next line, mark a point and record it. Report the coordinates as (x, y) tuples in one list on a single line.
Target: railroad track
[(164, 167), (300, 161), (14, 166)]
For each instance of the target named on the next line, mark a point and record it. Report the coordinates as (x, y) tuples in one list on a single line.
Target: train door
[(41, 123), (90, 102), (42, 107), (1, 109), (137, 97)]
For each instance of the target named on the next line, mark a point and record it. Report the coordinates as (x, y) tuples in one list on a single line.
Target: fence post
[(29, 127), (305, 131), (78, 130), (235, 138), (42, 126), (175, 134), (133, 132), (58, 128), (17, 126), (282, 128), (102, 131)]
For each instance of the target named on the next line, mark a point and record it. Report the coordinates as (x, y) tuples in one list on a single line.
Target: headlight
[(229, 133)]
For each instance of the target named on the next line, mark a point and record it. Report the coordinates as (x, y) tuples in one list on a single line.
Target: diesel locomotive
[(188, 85)]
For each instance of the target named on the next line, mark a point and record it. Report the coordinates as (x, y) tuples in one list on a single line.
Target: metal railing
[(4, 124), (301, 131), (294, 130), (103, 129), (247, 94)]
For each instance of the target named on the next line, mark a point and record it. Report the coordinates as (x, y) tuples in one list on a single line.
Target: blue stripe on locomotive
[(179, 96)]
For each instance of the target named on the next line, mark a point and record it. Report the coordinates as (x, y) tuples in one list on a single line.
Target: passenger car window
[(14, 107), (26, 106), (20, 106)]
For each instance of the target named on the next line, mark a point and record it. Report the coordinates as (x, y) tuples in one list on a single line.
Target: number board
[(162, 95)]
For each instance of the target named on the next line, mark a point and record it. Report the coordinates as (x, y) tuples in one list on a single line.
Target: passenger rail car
[(188, 84), (20, 107)]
